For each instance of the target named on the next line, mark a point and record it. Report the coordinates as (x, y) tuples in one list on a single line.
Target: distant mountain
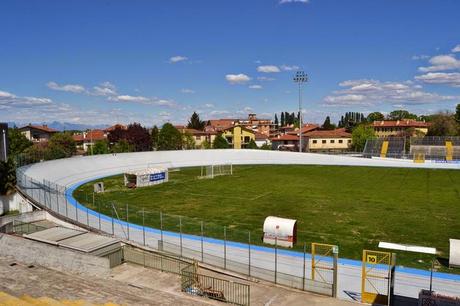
[(64, 126)]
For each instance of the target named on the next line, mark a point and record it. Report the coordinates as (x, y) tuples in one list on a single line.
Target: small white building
[(454, 253), (280, 231), (146, 177)]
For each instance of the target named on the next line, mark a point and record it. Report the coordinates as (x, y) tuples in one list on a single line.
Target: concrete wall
[(37, 253), (14, 202)]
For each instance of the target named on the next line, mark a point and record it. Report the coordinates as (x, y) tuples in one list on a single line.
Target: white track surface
[(74, 171)]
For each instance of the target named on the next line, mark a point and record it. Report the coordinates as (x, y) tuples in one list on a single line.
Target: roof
[(305, 129), (43, 128), (260, 136), (195, 132), (337, 133), (240, 126), (221, 123), (287, 137), (401, 123), (146, 171), (115, 126), (91, 135)]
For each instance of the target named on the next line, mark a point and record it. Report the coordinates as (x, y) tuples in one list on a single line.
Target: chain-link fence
[(189, 238)]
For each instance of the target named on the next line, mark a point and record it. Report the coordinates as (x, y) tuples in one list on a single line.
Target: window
[(349, 140), (247, 139), (315, 141), (324, 141), (340, 141), (197, 137), (332, 141)]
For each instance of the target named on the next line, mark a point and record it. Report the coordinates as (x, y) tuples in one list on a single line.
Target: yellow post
[(449, 150), (384, 150)]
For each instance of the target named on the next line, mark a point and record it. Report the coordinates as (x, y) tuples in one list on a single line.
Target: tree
[(205, 144), (252, 145), (401, 114), (375, 116), (195, 122), (265, 146), (60, 145), (154, 136), (117, 134), (276, 120), (169, 138), (7, 177), (443, 124), (327, 125), (100, 147), (360, 135), (188, 141), (283, 120), (138, 137), (220, 142), (18, 143), (457, 113), (122, 146)]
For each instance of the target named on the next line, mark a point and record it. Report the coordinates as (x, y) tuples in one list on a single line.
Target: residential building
[(404, 127), (261, 139), (262, 126), (285, 142), (199, 136), (115, 126), (238, 136), (37, 133), (85, 140), (308, 127), (337, 140)]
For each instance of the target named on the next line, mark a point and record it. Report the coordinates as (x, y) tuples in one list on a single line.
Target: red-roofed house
[(200, 137), (388, 128), (328, 140), (285, 142), (37, 133), (86, 139)]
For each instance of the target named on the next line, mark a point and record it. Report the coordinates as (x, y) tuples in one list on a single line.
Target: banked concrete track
[(72, 172)]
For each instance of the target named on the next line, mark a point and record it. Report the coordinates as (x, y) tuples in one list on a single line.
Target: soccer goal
[(211, 171)]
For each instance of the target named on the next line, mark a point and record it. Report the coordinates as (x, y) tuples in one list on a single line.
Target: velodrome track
[(72, 172)]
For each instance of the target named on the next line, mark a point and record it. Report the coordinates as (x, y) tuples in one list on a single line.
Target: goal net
[(211, 171)]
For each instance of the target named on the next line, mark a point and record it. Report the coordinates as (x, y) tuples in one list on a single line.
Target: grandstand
[(394, 147), (436, 148)]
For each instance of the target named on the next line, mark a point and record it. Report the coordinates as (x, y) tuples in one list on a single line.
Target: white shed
[(146, 177), (280, 231), (454, 253)]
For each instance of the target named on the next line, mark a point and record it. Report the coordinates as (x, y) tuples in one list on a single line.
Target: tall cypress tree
[(283, 122), (276, 120)]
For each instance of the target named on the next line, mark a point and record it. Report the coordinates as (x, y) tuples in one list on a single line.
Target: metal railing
[(178, 235), (214, 288)]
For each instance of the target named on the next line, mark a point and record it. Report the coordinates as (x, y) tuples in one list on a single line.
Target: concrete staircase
[(9, 300)]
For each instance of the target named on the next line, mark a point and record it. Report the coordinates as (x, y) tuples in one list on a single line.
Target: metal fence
[(215, 288), (189, 238)]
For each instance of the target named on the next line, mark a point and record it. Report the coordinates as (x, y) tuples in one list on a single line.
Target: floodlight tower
[(300, 78)]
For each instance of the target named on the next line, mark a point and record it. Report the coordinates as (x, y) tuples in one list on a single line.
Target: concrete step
[(9, 300)]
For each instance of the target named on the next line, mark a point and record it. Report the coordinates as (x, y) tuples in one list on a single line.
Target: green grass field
[(353, 207)]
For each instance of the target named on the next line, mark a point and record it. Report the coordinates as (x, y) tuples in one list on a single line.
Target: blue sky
[(99, 62)]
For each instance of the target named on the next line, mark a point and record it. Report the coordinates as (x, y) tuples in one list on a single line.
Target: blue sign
[(157, 176)]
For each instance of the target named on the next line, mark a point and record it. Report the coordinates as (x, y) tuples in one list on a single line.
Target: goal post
[(211, 171)]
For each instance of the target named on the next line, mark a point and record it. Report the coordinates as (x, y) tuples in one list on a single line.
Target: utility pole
[(300, 78)]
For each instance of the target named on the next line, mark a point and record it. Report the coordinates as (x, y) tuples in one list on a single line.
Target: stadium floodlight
[(300, 78), (412, 248)]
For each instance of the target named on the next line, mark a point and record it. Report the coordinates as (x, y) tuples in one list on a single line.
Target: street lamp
[(300, 78)]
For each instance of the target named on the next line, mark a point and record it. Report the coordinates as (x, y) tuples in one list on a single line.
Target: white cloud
[(209, 105), (456, 49), (373, 92), (442, 62), (294, 1), (187, 91), (177, 58), (255, 86), (105, 89), (452, 79), (75, 88), (219, 112), (143, 100), (237, 78), (289, 68), (268, 69), (9, 101)]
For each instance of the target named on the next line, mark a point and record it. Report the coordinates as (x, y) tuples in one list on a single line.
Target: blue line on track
[(342, 261)]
